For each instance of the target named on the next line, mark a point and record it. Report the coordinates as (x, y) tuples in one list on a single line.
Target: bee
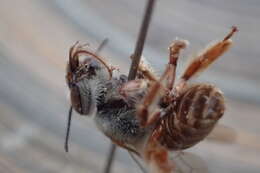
[(150, 115)]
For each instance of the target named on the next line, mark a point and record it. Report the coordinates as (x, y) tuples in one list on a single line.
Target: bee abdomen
[(197, 111)]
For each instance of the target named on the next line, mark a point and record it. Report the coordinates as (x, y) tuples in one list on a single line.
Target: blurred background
[(35, 39)]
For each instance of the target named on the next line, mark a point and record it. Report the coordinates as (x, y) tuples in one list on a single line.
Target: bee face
[(85, 70), (87, 85)]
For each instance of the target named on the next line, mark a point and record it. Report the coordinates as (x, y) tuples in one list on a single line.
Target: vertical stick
[(141, 39), (66, 145), (110, 159), (134, 66)]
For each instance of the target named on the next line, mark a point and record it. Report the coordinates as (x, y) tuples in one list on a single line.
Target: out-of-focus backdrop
[(35, 39)]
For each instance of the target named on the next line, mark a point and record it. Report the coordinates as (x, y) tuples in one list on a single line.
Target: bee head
[(83, 68), (84, 63)]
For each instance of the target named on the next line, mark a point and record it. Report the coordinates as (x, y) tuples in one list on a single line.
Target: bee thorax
[(119, 123)]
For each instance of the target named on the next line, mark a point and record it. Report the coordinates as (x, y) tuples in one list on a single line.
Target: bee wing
[(228, 135), (224, 134), (178, 162), (188, 162)]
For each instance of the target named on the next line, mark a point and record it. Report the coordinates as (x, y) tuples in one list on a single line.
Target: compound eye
[(81, 97), (75, 98)]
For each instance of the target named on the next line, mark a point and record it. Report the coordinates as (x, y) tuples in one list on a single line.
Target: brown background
[(35, 38)]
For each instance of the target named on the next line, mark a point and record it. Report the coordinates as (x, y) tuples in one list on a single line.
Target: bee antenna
[(97, 57), (66, 144)]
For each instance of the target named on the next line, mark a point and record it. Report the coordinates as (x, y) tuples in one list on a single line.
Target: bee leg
[(145, 71), (207, 57), (148, 111), (157, 158), (174, 49)]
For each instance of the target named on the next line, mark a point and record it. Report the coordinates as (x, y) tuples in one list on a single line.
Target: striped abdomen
[(193, 117)]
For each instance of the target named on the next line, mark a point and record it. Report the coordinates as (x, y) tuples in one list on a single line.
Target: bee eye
[(75, 98), (81, 97)]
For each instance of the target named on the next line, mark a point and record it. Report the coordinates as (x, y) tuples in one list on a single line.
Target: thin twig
[(141, 40), (66, 145), (102, 45), (135, 63), (110, 159)]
